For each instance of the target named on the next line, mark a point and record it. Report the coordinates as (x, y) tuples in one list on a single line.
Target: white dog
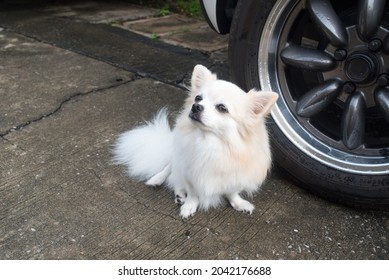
[(219, 146)]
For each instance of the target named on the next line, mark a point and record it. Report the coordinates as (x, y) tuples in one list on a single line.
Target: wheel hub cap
[(362, 68)]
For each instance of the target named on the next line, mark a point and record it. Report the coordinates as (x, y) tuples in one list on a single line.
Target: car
[(328, 61)]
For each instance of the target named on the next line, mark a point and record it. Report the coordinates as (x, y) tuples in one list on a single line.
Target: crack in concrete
[(9, 142), (181, 82), (60, 105), (178, 83), (96, 175)]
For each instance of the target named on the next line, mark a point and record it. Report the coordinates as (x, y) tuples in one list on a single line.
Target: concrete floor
[(69, 85)]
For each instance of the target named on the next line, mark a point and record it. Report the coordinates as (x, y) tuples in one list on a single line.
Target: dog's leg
[(240, 204), (179, 196), (160, 177), (190, 206), (179, 190)]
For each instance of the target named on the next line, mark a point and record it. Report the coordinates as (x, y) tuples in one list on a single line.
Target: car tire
[(316, 150)]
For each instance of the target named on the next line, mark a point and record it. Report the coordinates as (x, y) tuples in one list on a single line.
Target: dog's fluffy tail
[(146, 150)]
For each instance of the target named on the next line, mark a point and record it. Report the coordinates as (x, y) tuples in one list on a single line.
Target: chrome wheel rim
[(330, 65)]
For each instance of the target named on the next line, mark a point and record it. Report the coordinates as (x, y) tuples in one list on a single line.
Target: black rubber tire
[(347, 188)]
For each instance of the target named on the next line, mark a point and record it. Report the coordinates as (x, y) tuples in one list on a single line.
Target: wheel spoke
[(353, 121), (382, 101), (318, 98), (323, 14), (307, 59), (369, 17), (385, 46)]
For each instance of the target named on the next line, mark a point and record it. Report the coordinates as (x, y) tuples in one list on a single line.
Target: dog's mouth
[(195, 117)]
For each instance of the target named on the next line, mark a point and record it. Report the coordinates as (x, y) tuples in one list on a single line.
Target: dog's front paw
[(188, 209), (244, 206), (240, 204), (180, 197), (180, 200)]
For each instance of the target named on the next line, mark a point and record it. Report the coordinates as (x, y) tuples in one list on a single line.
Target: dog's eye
[(198, 98), (221, 108)]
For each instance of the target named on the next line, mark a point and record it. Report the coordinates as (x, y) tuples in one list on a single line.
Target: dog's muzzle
[(195, 112)]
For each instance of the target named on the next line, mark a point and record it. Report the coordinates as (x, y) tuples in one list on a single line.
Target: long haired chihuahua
[(218, 148)]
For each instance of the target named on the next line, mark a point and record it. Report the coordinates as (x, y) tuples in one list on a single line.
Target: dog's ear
[(262, 101), (201, 75)]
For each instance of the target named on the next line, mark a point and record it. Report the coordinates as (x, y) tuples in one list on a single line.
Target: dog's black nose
[(196, 108)]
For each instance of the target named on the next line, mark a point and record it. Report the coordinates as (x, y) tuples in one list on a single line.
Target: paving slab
[(99, 12), (200, 38), (165, 25), (73, 87), (178, 30)]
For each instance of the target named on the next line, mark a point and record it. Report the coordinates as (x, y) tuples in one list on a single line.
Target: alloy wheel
[(330, 61)]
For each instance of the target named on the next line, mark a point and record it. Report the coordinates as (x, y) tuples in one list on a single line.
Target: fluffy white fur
[(219, 146)]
